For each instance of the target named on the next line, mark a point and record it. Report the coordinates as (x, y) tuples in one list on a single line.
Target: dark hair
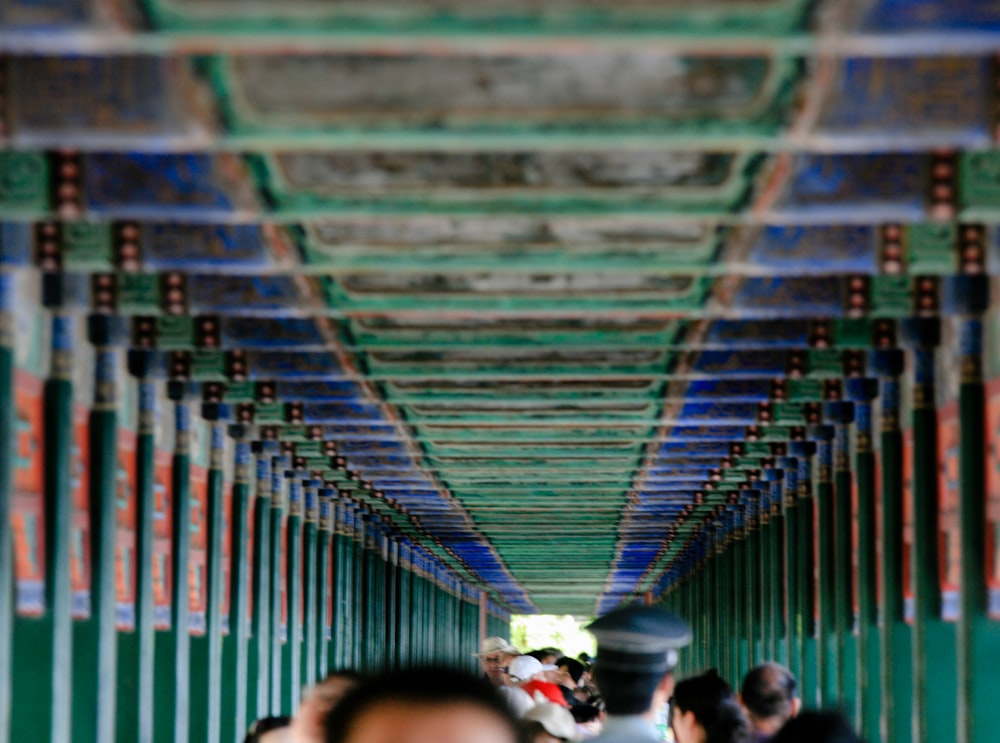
[(715, 707), (817, 727), (266, 725), (584, 713), (768, 691), (573, 667), (626, 692), (422, 685)]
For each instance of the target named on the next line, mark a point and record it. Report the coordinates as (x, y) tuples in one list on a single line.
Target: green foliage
[(530, 632)]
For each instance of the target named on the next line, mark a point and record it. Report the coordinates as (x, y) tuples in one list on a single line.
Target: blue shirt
[(628, 729)]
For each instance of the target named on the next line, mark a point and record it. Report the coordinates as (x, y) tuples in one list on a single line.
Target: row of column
[(314, 581), (808, 566)]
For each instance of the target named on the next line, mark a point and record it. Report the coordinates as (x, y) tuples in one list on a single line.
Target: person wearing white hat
[(549, 723), (495, 654), (522, 671)]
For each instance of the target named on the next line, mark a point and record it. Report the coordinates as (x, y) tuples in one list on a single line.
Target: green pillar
[(206, 649), (136, 649), (324, 580), (842, 415), (741, 591), (261, 628), (291, 655), (808, 562), (404, 606), (826, 554), (236, 668), (7, 342), (391, 606), (789, 466), (862, 391), (896, 641), (279, 628), (311, 619), (776, 557), (43, 646), (173, 656), (934, 656), (95, 641), (978, 633)]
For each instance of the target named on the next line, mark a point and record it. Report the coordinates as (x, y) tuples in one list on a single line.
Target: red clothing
[(551, 691)]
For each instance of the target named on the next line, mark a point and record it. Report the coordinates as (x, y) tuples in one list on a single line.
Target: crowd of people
[(546, 697)]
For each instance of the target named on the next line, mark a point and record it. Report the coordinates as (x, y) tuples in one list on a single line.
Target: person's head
[(636, 654), (525, 668), (548, 723), (817, 727), (588, 718), (422, 705), (496, 654), (569, 672), (260, 728), (307, 724), (705, 710), (768, 695), (546, 656)]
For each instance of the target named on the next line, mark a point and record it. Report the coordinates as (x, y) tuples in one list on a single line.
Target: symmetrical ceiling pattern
[(555, 279)]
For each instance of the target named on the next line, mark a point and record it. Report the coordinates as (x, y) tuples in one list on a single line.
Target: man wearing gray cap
[(636, 654)]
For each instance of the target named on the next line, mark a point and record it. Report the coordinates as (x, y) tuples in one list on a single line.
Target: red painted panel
[(949, 544), (993, 496), (909, 605), (227, 544), (125, 513), (27, 514), (79, 554), (162, 545), (198, 558)]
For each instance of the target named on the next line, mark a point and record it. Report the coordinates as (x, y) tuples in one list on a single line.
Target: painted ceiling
[(546, 284)]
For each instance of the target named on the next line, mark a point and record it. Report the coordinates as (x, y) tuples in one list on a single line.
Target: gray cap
[(643, 639)]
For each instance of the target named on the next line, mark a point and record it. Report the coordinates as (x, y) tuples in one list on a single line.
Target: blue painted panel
[(855, 188), (276, 333), (91, 98), (943, 99), (192, 247), (371, 447), (706, 433), (760, 363), (326, 412), (820, 249), (751, 390), (42, 15), (278, 365), (221, 293), (699, 448), (328, 390), (15, 244), (359, 432), (720, 412), (929, 15), (790, 297), (141, 185)]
